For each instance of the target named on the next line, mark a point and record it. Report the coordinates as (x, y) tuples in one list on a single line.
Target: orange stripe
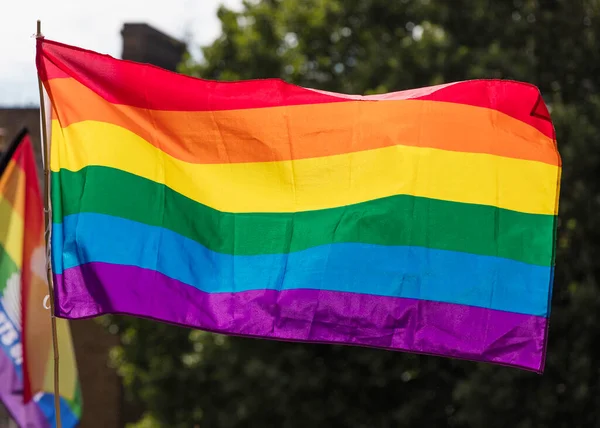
[(38, 333), (10, 190), (307, 131)]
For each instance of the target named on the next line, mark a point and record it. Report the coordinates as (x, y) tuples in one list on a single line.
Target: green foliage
[(189, 378)]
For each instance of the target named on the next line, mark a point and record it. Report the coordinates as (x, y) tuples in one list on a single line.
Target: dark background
[(176, 377), (182, 377)]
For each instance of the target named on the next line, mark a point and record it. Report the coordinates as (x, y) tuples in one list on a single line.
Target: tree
[(186, 377)]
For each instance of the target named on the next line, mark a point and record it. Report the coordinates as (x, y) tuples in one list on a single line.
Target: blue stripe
[(67, 418), (410, 272), (10, 341)]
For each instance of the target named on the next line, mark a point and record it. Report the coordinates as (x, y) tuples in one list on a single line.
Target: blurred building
[(142, 43), (12, 120), (103, 397)]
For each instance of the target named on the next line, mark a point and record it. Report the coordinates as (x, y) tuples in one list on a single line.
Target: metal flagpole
[(47, 219)]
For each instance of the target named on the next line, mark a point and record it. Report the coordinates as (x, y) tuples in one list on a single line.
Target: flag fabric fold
[(421, 221), (26, 353)]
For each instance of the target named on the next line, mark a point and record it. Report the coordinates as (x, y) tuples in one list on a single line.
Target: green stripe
[(76, 404), (7, 268), (397, 220)]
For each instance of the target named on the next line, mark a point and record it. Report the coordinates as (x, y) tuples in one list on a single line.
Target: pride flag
[(421, 221), (26, 353)]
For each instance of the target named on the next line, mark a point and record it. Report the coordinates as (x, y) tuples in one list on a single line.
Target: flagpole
[(47, 219)]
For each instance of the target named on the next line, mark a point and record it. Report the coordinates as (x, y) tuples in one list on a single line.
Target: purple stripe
[(413, 325), (26, 415)]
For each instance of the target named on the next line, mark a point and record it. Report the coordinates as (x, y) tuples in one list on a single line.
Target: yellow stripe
[(68, 364), (12, 205), (12, 183), (317, 183), (11, 231)]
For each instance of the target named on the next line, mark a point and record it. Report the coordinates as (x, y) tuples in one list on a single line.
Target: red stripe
[(519, 100), (33, 235), (146, 86)]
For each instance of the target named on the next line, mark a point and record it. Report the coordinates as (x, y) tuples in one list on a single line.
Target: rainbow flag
[(26, 353), (421, 221)]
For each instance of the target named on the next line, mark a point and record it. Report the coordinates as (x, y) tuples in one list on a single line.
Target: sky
[(94, 25)]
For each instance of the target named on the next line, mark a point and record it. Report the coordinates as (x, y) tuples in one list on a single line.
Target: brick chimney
[(143, 43)]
